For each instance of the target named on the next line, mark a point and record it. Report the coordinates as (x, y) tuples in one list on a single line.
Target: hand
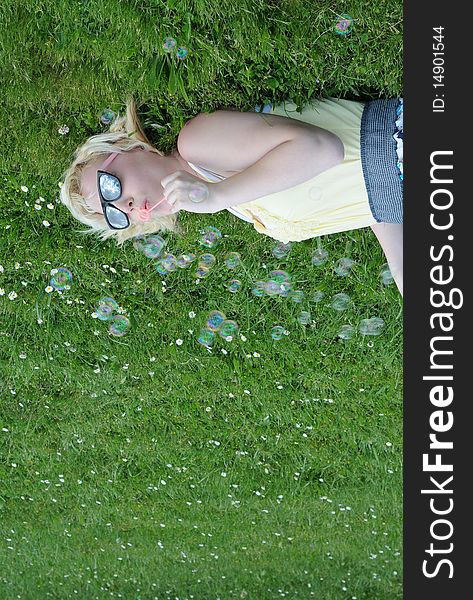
[(183, 191)]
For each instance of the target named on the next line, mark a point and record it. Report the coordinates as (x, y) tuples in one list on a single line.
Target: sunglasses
[(110, 190)]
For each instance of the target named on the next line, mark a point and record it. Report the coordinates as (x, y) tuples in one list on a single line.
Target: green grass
[(93, 421)]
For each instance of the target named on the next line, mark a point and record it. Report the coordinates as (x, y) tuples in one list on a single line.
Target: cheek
[(94, 204)]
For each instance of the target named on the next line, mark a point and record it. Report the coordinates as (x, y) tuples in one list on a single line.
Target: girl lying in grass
[(336, 166)]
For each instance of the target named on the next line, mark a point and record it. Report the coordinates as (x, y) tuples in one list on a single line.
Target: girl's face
[(140, 173)]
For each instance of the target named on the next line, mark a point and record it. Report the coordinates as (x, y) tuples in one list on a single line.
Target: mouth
[(144, 213)]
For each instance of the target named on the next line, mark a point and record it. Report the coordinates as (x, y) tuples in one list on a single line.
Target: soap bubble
[(169, 44), (233, 285), (304, 317), (296, 295), (280, 276), (343, 266), (169, 262), (340, 301), (272, 288), (153, 246), (215, 320), (259, 289), (317, 296), (315, 193), (319, 257), (160, 268), (105, 308), (138, 243), (60, 278), (285, 288), (373, 326), (210, 237), (119, 325), (206, 337), (277, 332), (202, 271), (184, 260), (199, 192), (232, 260), (344, 25), (107, 116), (386, 275), (181, 53), (281, 250), (278, 283), (346, 332), (206, 260), (228, 329)]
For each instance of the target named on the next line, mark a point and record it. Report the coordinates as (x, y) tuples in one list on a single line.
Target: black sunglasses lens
[(116, 218), (110, 187)]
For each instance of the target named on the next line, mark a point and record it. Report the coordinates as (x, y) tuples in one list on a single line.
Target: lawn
[(148, 466)]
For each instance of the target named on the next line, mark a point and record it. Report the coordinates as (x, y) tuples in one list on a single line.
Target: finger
[(166, 180), (176, 196), (172, 187), (174, 208)]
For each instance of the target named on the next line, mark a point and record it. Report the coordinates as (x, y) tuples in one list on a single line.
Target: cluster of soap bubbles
[(344, 25), (232, 261), (278, 283), (343, 266), (153, 247), (373, 326), (217, 322), (170, 45), (105, 310)]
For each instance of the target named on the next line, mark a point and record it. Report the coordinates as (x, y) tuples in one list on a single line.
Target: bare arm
[(285, 166), (269, 153)]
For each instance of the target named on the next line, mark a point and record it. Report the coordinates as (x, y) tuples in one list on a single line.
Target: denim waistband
[(379, 160)]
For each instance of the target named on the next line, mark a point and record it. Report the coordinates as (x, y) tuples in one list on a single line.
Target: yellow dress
[(333, 201)]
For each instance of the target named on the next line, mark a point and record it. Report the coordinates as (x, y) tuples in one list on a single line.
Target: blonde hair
[(125, 133)]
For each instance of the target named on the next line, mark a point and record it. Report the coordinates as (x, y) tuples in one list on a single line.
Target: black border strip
[(431, 256)]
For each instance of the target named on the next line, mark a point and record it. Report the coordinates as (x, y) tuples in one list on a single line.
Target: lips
[(162, 208)]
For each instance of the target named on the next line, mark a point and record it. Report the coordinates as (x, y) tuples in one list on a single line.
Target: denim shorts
[(381, 138)]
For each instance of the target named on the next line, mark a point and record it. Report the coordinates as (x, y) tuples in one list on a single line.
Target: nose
[(126, 204)]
